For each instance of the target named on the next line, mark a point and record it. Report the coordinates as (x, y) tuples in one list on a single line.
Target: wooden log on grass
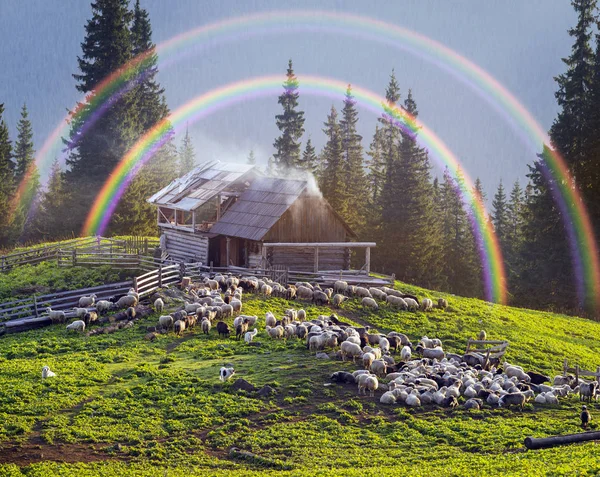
[(545, 442)]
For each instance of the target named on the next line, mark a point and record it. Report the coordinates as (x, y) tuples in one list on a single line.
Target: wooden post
[(565, 367), (160, 276), (135, 284), (368, 260), (211, 266), (227, 240), (35, 306), (316, 259), (577, 374), (74, 256), (2, 263), (598, 375), (146, 246), (181, 270)]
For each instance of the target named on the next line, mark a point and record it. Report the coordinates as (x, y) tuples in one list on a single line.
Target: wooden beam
[(316, 268), (368, 259), (541, 443), (324, 244), (227, 240)]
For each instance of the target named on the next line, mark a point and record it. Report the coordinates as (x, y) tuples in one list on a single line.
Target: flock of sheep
[(432, 377)]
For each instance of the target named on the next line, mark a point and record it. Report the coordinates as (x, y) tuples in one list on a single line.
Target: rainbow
[(577, 223), (219, 98)]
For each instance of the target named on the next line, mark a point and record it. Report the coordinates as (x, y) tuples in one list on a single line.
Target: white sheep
[(56, 316), (371, 384), (304, 293), (368, 359), (103, 306), (125, 302), (275, 333), (411, 304), (270, 319), (205, 326), (370, 303), (340, 286), (397, 301), (518, 372), (405, 353), (362, 292), (378, 367), (132, 292), (266, 290), (77, 325), (249, 336), (301, 315), (377, 293), (179, 327), (46, 373), (86, 301), (387, 398), (427, 304), (434, 353), (384, 344), (80, 312), (165, 321), (350, 349), (236, 305)]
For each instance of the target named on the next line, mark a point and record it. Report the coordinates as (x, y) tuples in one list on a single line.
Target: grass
[(163, 404)]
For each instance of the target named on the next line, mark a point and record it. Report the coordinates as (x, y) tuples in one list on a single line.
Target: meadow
[(121, 405)]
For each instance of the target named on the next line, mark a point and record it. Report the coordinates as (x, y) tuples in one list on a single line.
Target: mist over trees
[(383, 185)]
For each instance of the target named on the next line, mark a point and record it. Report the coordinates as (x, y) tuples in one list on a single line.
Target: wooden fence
[(494, 349), (577, 371), (112, 258), (149, 282)]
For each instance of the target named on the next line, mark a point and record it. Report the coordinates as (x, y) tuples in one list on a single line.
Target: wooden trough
[(545, 442)]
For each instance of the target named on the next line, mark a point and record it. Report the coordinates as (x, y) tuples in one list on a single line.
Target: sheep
[(588, 390), (223, 329), (275, 333), (473, 404), (301, 315), (562, 380), (90, 317), (266, 290), (370, 303), (482, 336), (442, 303), (320, 298), (249, 336), (350, 349), (338, 300), (413, 399), (56, 316), (426, 304), (77, 325), (411, 304), (377, 293), (205, 326), (179, 327), (304, 293), (130, 313), (289, 331), (368, 359), (405, 353), (378, 367), (87, 301), (384, 344), (387, 398), (371, 384), (165, 322), (434, 353), (125, 302), (397, 301), (301, 331), (132, 292), (518, 372), (241, 329), (225, 374), (80, 312), (103, 306), (340, 286), (236, 305), (513, 399), (404, 341), (270, 319), (290, 293), (46, 373)]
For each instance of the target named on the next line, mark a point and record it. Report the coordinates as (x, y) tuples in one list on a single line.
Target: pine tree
[(6, 182), (479, 192), (514, 242), (290, 123), (25, 168), (251, 158), (500, 216), (309, 161), (48, 222), (187, 156), (106, 48), (376, 167), (356, 190), (332, 181)]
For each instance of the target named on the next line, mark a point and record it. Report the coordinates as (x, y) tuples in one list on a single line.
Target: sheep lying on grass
[(46, 373)]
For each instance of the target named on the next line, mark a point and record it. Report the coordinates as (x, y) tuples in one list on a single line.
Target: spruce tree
[(47, 221), (106, 48), (7, 183), (187, 156), (290, 123), (251, 158), (356, 190), (24, 168), (479, 192), (376, 167), (309, 161), (332, 181), (500, 215), (514, 241)]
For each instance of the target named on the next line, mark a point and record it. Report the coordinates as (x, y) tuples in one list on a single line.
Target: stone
[(322, 356), (266, 391), (243, 385)]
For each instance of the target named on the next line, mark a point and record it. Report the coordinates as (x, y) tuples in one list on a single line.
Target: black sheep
[(223, 329), (537, 378), (343, 377)]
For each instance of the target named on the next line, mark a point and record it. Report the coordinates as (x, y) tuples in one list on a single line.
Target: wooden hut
[(231, 214)]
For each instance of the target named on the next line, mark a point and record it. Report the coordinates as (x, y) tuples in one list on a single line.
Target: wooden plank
[(323, 244)]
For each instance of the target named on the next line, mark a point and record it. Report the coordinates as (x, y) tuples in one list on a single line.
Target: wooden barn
[(233, 215)]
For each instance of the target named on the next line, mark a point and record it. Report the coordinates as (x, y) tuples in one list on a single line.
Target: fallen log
[(545, 442)]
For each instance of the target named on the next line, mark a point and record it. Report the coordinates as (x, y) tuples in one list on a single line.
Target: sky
[(519, 43)]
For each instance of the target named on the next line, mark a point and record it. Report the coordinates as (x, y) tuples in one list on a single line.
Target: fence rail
[(577, 371)]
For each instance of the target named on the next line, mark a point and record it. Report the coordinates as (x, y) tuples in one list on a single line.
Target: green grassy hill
[(121, 405)]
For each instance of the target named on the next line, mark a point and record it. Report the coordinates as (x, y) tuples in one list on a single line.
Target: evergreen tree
[(332, 181), (251, 158), (479, 192), (48, 222), (290, 123), (270, 171), (187, 156), (6, 182), (500, 215), (514, 241), (376, 166), (25, 168), (356, 191), (106, 48), (309, 161)]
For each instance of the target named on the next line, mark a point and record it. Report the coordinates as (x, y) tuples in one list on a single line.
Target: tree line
[(386, 192)]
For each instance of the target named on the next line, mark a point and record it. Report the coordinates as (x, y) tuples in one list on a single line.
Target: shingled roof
[(259, 208)]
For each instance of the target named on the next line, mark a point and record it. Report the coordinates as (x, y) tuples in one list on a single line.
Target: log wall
[(186, 246), (302, 259)]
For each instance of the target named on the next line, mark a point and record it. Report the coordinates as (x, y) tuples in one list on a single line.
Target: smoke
[(291, 173), (209, 148)]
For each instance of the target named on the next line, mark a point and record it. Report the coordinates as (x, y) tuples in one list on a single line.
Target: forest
[(383, 186)]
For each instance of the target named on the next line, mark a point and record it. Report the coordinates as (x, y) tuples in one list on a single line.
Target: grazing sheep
[(304, 293), (125, 302), (387, 398), (226, 373), (165, 322), (223, 329), (378, 367), (77, 325), (80, 312), (275, 333), (411, 304), (266, 290), (473, 403), (482, 336), (56, 316), (434, 353), (588, 390), (46, 373), (87, 301), (405, 353), (371, 384), (301, 315), (512, 399), (132, 292), (426, 304), (90, 317), (249, 336), (370, 303), (241, 329), (368, 359), (518, 372), (413, 399), (179, 327), (562, 380), (340, 286), (236, 305), (205, 326), (442, 303), (397, 301), (320, 298), (384, 344), (301, 331), (338, 300), (103, 306), (350, 349), (377, 293), (270, 319)]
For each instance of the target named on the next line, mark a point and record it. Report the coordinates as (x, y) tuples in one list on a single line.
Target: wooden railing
[(577, 371), (116, 259), (149, 282)]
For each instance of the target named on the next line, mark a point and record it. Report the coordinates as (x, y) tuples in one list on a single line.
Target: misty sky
[(519, 42)]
